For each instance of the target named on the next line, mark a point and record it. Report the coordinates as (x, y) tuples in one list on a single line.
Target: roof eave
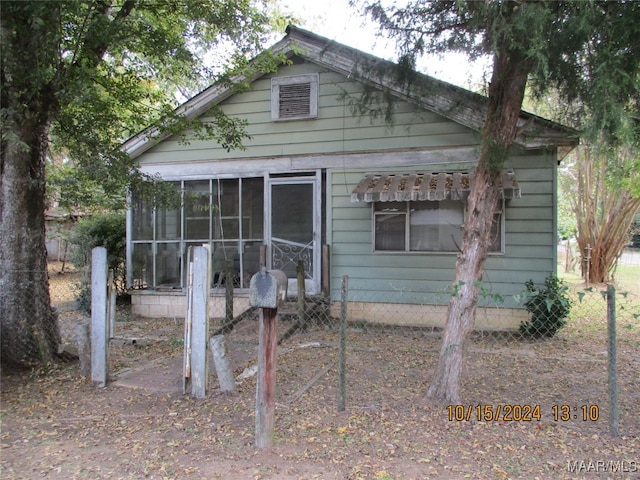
[(455, 103)]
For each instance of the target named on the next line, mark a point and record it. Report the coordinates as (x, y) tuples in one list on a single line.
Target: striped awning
[(403, 187)]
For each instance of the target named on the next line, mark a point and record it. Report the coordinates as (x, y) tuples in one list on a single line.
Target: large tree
[(84, 76), (587, 51)]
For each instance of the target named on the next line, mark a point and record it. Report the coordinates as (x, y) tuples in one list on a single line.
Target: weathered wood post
[(83, 341), (200, 325), (99, 325), (266, 381), (222, 364), (266, 291)]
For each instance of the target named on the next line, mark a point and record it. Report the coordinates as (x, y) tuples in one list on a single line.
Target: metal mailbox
[(268, 289)]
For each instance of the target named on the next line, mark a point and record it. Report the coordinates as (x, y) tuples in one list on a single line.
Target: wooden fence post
[(266, 381), (200, 326), (99, 326)]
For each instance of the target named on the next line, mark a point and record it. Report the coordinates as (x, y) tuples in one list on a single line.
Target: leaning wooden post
[(222, 364), (83, 341), (99, 326), (266, 291)]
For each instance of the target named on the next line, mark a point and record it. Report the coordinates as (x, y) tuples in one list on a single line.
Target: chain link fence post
[(343, 342), (612, 355)]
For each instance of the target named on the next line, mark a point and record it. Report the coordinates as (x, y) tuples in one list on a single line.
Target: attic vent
[(294, 98)]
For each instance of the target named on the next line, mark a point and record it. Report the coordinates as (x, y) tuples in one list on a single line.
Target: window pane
[(142, 218), (168, 222), (225, 254), (252, 208), (250, 262), (168, 265), (435, 226), (226, 196), (226, 200), (142, 265), (197, 210), (496, 233), (390, 231), (229, 228)]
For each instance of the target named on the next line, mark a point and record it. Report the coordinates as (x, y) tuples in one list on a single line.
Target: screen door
[(293, 231)]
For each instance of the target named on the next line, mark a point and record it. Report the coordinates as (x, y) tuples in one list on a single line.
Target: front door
[(294, 230)]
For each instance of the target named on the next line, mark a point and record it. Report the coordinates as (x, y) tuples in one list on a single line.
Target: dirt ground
[(141, 426)]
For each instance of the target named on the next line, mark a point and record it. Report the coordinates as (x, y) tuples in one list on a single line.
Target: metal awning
[(403, 187)]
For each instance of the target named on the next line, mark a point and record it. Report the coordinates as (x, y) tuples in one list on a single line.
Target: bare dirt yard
[(553, 421)]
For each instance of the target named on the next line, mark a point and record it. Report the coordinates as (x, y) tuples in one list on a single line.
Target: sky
[(334, 19)]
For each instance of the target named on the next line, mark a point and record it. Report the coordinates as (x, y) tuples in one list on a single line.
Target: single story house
[(347, 190)]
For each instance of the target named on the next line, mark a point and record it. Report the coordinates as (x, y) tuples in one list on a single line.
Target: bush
[(104, 230), (548, 306)]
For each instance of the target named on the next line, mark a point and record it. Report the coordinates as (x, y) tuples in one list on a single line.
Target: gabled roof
[(453, 102)]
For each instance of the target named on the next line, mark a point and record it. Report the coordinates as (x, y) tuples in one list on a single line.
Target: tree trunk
[(30, 333), (508, 82), (29, 99)]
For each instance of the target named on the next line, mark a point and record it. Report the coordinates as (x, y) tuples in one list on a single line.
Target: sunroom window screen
[(225, 214)]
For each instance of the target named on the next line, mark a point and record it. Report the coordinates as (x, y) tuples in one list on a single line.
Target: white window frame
[(312, 79)]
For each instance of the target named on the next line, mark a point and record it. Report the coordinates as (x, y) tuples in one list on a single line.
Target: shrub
[(548, 306), (104, 230)]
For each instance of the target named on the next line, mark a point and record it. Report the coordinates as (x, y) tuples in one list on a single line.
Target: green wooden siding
[(426, 277), (335, 130)]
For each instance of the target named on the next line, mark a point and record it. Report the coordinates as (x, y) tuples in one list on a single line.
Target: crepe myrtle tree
[(78, 78), (587, 52)]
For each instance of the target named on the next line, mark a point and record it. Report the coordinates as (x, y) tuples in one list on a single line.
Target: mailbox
[(268, 289)]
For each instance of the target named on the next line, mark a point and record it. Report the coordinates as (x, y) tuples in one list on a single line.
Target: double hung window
[(425, 226)]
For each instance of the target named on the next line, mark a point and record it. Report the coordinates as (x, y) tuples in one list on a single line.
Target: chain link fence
[(70, 296), (364, 348)]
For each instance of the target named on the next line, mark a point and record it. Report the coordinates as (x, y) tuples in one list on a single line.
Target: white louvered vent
[(295, 97), (295, 100)]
